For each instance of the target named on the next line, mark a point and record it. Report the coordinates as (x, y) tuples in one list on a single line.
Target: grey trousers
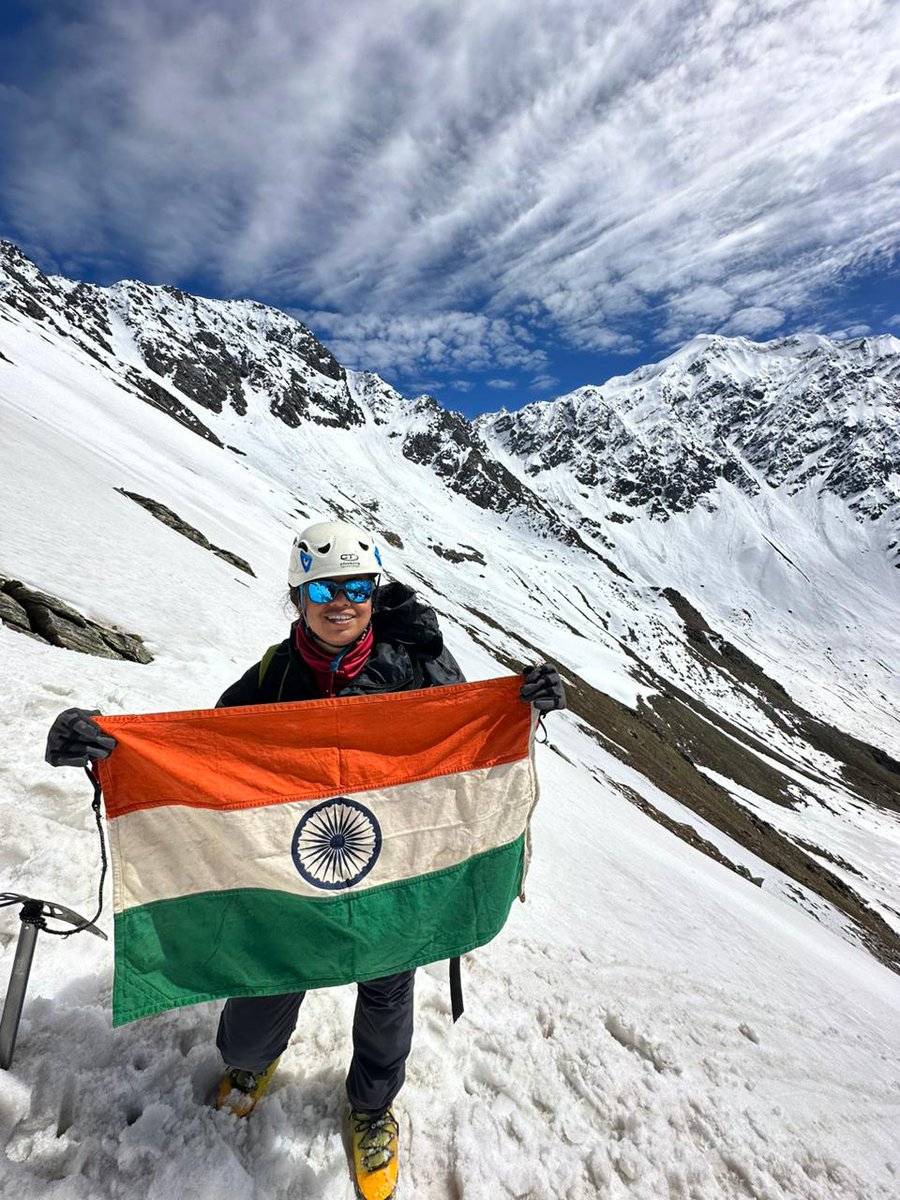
[(254, 1030)]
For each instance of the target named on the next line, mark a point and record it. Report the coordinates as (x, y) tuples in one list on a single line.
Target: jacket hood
[(399, 616)]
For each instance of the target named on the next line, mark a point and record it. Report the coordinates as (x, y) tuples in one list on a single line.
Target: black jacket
[(408, 653)]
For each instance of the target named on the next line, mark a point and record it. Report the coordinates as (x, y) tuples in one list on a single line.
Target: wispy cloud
[(434, 182), (851, 331), (543, 383), (754, 321), (407, 344)]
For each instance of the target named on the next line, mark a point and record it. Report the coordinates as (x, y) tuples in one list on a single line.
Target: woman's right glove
[(74, 739)]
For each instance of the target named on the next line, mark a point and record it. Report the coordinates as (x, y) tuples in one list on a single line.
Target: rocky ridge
[(802, 412), (173, 347), (198, 359)]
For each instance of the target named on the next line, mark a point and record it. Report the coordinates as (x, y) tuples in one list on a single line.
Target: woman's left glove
[(543, 688)]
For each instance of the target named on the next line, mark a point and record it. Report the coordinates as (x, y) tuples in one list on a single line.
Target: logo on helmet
[(305, 560)]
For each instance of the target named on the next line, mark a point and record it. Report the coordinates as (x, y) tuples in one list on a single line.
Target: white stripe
[(163, 853)]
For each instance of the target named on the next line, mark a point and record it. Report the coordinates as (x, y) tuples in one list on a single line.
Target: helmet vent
[(333, 550)]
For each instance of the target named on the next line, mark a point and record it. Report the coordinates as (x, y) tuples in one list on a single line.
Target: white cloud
[(400, 346), (852, 331), (685, 165), (425, 387), (542, 383), (500, 384), (753, 321)]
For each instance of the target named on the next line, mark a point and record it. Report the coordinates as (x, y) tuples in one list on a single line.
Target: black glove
[(74, 738), (543, 688)]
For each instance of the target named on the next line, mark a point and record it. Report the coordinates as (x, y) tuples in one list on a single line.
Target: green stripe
[(254, 942)]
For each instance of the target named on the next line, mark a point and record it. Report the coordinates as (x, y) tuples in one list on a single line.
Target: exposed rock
[(219, 352), (13, 614), (669, 737), (453, 448), (686, 833), (53, 621), (156, 395), (804, 413), (868, 770), (172, 519), (59, 630), (466, 554)]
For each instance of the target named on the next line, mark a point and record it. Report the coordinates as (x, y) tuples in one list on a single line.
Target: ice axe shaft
[(33, 916), (18, 982)]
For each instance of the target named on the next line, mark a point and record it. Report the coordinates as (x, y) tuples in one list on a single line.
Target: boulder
[(13, 614), (51, 620)]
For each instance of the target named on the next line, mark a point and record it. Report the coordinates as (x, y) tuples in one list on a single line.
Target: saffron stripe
[(236, 758), (250, 942)]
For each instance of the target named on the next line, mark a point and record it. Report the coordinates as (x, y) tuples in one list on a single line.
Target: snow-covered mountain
[(801, 414), (763, 477), (703, 547)]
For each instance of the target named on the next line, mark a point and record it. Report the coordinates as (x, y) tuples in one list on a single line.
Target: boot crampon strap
[(375, 1154), (240, 1090)]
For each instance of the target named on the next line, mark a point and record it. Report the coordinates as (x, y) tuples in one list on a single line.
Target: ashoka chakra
[(336, 844)]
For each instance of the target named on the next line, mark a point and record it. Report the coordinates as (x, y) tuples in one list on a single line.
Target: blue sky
[(494, 203)]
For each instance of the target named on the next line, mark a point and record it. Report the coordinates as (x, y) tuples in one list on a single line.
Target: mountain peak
[(800, 413)]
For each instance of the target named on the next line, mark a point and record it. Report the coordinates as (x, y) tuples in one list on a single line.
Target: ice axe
[(33, 915)]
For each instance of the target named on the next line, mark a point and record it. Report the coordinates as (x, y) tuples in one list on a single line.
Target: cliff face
[(801, 414)]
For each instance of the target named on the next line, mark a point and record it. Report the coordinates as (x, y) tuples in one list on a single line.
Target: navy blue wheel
[(336, 844)]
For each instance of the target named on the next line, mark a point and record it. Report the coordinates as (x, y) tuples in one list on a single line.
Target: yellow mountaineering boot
[(375, 1154), (240, 1090)]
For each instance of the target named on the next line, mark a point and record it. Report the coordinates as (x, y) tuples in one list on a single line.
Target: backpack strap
[(265, 662), (272, 676)]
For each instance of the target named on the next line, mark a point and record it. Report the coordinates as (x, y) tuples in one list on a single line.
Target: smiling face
[(339, 622)]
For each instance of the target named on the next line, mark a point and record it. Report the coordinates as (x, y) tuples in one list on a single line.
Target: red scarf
[(333, 672)]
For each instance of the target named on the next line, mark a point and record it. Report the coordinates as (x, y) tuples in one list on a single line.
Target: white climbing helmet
[(330, 550)]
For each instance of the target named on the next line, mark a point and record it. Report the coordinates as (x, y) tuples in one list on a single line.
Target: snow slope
[(648, 1025), (763, 478)]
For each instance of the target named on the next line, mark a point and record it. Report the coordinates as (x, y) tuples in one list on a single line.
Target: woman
[(351, 637)]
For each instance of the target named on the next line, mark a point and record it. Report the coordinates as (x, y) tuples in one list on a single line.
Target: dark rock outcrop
[(51, 620), (157, 396), (172, 519)]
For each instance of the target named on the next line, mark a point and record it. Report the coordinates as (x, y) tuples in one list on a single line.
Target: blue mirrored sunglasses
[(357, 591)]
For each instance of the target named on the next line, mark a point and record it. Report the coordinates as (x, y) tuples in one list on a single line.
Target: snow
[(648, 1025)]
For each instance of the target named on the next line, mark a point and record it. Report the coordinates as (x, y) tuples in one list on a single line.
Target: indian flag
[(283, 847)]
